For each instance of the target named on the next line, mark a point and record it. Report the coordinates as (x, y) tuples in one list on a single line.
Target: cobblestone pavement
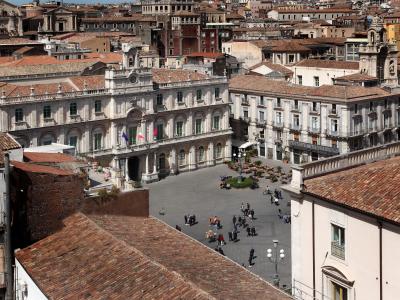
[(199, 193)]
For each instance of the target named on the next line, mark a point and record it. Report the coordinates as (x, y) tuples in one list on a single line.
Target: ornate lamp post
[(240, 156), (275, 258)]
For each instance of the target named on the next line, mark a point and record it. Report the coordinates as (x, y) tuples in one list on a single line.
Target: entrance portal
[(133, 168)]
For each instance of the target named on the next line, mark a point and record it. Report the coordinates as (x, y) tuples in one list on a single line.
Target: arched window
[(200, 154), (218, 151), (47, 139), (181, 157)]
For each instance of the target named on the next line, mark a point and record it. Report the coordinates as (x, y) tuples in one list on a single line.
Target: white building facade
[(142, 122), (301, 124), (342, 248)]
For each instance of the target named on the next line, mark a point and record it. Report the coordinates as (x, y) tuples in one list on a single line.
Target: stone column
[(113, 133), (172, 161), (155, 163), (192, 158), (151, 132), (171, 126), (210, 157), (189, 128), (228, 149), (208, 121), (147, 164), (126, 169)]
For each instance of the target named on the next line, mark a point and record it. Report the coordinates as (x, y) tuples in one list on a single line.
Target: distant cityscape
[(188, 149)]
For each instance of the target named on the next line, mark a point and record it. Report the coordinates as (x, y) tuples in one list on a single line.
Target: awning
[(247, 145)]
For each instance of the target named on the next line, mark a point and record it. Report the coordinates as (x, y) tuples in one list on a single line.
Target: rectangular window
[(73, 109), (334, 125), (19, 115), (262, 116), (73, 141), (278, 118), (198, 126), (261, 100), (216, 123), (179, 97), (97, 106), (296, 104), (316, 81), (314, 106), (338, 292), (159, 99), (216, 93), (199, 95), (338, 241), (132, 132), (278, 102), (97, 141), (355, 108), (333, 109), (314, 122), (179, 128), (300, 79), (47, 112), (160, 132), (371, 106), (296, 121), (245, 114)]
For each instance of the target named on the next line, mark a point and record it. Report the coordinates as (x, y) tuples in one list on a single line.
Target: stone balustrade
[(334, 163)]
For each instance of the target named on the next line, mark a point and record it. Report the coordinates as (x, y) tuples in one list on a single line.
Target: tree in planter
[(258, 163), (274, 178)]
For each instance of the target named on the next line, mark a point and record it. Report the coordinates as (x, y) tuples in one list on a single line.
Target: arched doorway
[(133, 168)]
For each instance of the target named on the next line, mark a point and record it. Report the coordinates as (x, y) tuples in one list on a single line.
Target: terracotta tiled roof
[(164, 245), (140, 258), (206, 54), (329, 64), (168, 75), (17, 41), (41, 157), (32, 60), (83, 261), (76, 83), (66, 67), (7, 142), (372, 188), (107, 58), (357, 77), (28, 167), (251, 83), (274, 67)]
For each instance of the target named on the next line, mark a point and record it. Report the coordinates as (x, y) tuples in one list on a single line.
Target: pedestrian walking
[(272, 199), (234, 219), (230, 236), (248, 231), (253, 231), (251, 257), (235, 236), (248, 206), (186, 220), (242, 207), (178, 228)]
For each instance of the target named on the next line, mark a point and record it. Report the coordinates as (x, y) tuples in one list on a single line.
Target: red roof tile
[(41, 157), (83, 261), (28, 167), (330, 64), (168, 75), (197, 263), (372, 188)]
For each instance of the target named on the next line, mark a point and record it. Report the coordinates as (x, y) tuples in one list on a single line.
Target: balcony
[(357, 132), (333, 112), (329, 151), (21, 125), (337, 250), (387, 125), (315, 130), (295, 127), (75, 118), (278, 106), (295, 108), (333, 133), (277, 124), (245, 102)]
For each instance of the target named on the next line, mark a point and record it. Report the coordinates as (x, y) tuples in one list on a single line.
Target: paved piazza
[(199, 193)]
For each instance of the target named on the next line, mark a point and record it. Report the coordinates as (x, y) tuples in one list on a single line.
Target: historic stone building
[(144, 122)]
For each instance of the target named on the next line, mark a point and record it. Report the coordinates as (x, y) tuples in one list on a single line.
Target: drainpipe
[(7, 240)]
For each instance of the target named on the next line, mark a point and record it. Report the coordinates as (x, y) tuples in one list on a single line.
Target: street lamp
[(275, 257), (240, 156)]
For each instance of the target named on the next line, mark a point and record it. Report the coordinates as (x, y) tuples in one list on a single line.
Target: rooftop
[(34, 168), (168, 76), (328, 64), (371, 188), (41, 157), (251, 83), (274, 67), (142, 257), (206, 54)]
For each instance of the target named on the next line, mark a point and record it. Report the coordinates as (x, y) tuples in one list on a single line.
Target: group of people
[(247, 211), (224, 184), (284, 217), (190, 219), (215, 221), (251, 231)]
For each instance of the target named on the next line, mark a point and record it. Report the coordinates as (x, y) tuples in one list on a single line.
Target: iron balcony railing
[(337, 250)]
